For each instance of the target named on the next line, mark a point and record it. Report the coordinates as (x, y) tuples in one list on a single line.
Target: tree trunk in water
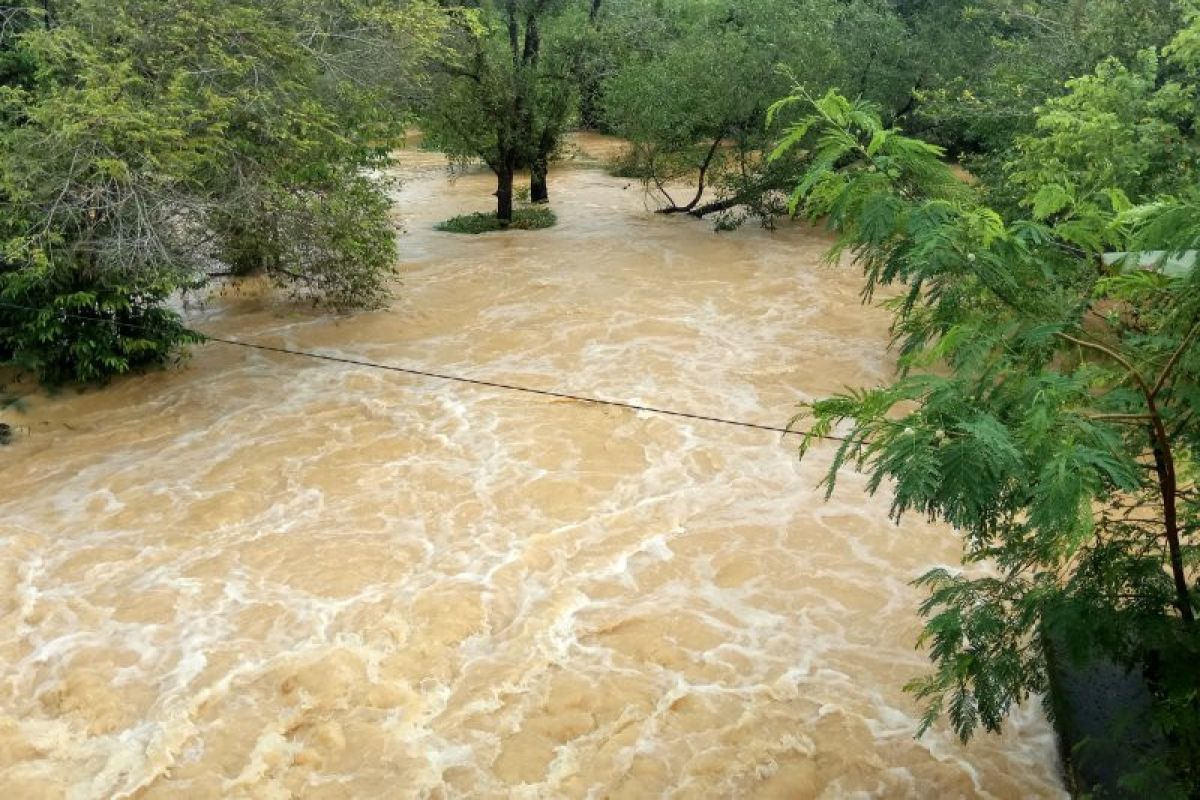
[(589, 106), (675, 208), (539, 170), (1164, 464), (717, 206), (539, 191), (504, 194)]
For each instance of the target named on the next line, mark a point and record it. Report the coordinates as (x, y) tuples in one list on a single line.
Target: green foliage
[(676, 77), (1116, 129), (983, 68), (692, 90), (65, 329), (524, 219), (503, 93), (142, 143), (331, 241), (1047, 403)]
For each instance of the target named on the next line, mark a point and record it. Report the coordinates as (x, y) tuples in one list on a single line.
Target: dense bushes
[(67, 328), (1048, 396), (147, 145)]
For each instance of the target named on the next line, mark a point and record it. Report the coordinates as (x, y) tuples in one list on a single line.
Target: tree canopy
[(145, 146), (503, 94), (1049, 388)]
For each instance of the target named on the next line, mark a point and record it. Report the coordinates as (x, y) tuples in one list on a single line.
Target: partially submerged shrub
[(331, 241), (524, 219), (65, 327)]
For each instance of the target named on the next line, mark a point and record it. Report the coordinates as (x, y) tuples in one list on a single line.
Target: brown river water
[(263, 576)]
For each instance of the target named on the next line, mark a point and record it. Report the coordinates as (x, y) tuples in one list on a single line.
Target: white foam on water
[(261, 576)]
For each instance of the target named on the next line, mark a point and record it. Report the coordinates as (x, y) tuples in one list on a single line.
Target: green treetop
[(145, 146), (1048, 397)]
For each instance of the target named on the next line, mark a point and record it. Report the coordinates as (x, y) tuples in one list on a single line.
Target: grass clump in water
[(524, 219)]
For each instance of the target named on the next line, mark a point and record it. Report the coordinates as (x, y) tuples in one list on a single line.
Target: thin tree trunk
[(533, 42), (539, 191), (674, 208), (589, 82), (513, 32), (911, 102), (504, 193), (1164, 463), (589, 111), (539, 170)]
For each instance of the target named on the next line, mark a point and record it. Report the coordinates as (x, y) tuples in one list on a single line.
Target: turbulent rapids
[(264, 576)]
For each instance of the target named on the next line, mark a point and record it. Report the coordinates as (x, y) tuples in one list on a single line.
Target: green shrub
[(330, 241), (66, 328), (524, 219), (630, 163)]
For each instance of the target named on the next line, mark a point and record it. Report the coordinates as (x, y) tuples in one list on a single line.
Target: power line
[(423, 373), (505, 386)]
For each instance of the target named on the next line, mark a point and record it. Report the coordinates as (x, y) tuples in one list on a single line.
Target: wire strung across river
[(509, 387)]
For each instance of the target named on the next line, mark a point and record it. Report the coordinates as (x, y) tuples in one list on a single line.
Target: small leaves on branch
[(1048, 396)]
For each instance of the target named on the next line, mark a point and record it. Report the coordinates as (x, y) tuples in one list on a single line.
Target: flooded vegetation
[(261, 575), (599, 399)]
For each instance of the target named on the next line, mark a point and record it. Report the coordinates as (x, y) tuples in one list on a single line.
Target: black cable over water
[(505, 386), (509, 387)]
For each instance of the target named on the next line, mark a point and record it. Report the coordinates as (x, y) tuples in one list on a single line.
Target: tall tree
[(501, 97), (1047, 406), (144, 146)]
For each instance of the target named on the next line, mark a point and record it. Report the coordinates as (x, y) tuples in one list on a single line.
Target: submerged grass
[(524, 219)]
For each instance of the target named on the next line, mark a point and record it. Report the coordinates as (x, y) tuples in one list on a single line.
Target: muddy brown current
[(261, 576)]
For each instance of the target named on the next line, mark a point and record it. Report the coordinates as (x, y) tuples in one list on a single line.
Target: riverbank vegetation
[(147, 150), (147, 147), (523, 219), (1047, 405), (1046, 316)]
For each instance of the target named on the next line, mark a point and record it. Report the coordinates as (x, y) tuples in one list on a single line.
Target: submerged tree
[(145, 146), (503, 96), (689, 81), (695, 80), (1047, 406)]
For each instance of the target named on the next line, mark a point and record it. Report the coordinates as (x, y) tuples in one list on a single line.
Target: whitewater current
[(256, 575)]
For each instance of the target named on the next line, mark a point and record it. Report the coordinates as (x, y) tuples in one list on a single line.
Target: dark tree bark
[(589, 81), (718, 206), (539, 190), (513, 31), (589, 110), (539, 146), (1164, 465), (910, 104), (504, 193), (539, 170), (533, 42), (675, 208)]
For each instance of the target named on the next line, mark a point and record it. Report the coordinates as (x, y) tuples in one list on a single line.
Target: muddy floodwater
[(264, 576)]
